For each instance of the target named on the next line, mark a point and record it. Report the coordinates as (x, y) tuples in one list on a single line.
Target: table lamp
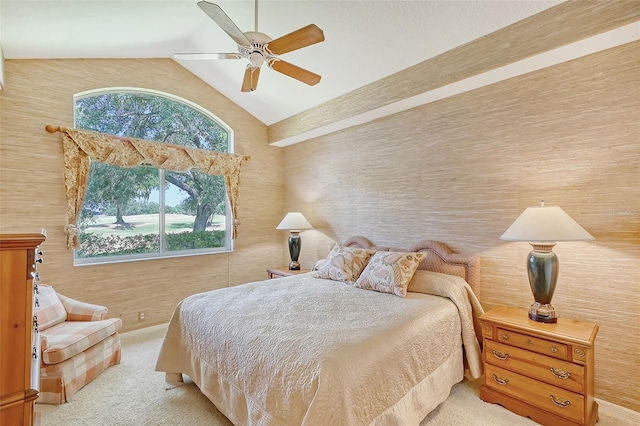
[(294, 222), (542, 226)]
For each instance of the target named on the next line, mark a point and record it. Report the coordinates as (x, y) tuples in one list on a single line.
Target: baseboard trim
[(619, 411), (129, 335)]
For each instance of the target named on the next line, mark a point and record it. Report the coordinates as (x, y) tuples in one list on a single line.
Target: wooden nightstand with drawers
[(541, 371), (284, 271)]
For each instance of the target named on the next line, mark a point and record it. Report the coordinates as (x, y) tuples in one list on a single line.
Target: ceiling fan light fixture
[(256, 59)]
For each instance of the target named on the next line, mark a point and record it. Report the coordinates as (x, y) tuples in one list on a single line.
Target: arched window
[(144, 212)]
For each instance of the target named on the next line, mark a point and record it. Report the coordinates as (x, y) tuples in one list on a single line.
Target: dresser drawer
[(551, 398), (530, 343), (537, 366)]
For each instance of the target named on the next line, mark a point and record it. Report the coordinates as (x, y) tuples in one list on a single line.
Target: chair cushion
[(70, 338), (49, 308)]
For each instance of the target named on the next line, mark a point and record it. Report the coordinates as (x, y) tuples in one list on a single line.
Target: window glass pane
[(120, 216), (136, 213), (195, 211)]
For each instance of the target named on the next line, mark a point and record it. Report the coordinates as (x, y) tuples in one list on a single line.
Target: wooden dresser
[(19, 255), (542, 371)]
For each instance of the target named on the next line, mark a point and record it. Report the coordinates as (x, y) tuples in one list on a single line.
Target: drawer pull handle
[(560, 402), (560, 374), (500, 355), (501, 380), (554, 349), (529, 342), (505, 337)]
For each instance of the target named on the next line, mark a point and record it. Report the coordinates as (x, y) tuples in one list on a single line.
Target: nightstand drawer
[(551, 398), (537, 366), (530, 343)]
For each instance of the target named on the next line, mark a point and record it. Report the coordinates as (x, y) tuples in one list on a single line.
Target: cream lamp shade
[(294, 222), (542, 226), (545, 224)]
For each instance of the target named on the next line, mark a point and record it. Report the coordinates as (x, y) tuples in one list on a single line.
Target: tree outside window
[(143, 212)]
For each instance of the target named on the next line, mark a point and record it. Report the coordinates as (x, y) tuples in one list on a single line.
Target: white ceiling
[(365, 40)]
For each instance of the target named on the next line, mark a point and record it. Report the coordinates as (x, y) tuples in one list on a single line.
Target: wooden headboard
[(441, 259)]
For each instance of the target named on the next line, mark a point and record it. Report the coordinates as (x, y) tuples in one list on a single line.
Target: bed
[(303, 350)]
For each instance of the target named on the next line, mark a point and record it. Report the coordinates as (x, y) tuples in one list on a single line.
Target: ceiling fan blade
[(298, 39), (206, 56), (250, 82), (296, 72), (216, 13)]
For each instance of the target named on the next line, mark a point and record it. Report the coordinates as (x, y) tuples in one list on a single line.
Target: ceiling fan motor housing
[(256, 53)]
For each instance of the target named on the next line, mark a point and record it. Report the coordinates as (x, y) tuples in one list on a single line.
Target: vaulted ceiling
[(365, 40)]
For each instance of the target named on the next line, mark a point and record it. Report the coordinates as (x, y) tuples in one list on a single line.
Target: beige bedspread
[(301, 350)]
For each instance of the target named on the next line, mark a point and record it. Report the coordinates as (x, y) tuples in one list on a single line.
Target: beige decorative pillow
[(344, 263), (318, 264), (390, 272)]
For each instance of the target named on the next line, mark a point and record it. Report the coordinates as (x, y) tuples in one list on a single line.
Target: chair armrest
[(82, 311), (44, 342)]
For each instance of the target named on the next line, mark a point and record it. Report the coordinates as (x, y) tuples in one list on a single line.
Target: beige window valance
[(82, 146)]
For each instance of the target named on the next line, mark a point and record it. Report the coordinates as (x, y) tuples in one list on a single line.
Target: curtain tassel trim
[(73, 236)]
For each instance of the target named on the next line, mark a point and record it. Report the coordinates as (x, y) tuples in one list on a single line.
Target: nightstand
[(541, 371), (284, 271)]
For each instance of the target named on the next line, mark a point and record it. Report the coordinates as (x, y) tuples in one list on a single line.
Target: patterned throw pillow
[(318, 264), (49, 310), (344, 264), (390, 272)]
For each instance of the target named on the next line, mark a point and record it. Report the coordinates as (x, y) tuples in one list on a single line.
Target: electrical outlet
[(140, 316)]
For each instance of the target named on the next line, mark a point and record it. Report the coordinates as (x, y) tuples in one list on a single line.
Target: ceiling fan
[(259, 48)]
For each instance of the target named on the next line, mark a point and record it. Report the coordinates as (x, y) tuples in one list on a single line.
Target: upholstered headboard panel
[(441, 259)]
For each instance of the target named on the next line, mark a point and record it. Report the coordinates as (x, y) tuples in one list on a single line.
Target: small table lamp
[(294, 222), (542, 226)]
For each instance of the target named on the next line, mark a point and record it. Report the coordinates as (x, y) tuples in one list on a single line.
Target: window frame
[(227, 248)]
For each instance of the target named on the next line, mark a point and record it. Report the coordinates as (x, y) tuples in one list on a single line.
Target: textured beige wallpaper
[(40, 92), (558, 26), (461, 170)]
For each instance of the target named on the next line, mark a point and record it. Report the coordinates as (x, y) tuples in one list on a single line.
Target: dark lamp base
[(539, 318), (295, 242), (542, 268), (294, 266), (543, 313)]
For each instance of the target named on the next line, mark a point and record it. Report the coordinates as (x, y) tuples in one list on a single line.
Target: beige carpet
[(133, 394)]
